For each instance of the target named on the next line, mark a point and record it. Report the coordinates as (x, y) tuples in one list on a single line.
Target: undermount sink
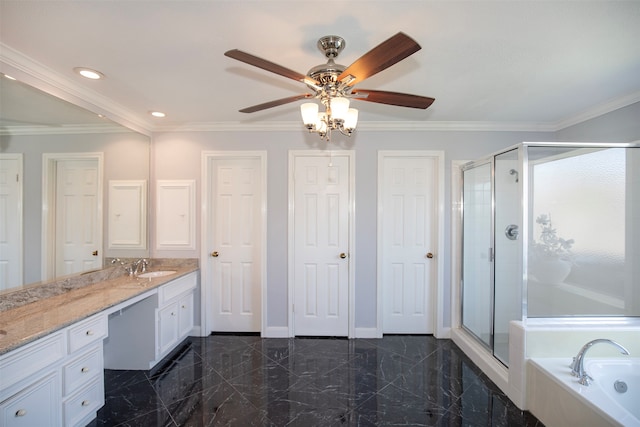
[(153, 274)]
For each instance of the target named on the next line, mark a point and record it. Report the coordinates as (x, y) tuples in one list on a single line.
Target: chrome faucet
[(136, 267), (139, 266), (577, 366)]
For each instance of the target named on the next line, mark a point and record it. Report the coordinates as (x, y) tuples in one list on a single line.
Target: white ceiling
[(504, 63)]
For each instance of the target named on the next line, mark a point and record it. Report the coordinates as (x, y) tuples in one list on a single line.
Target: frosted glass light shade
[(339, 108), (352, 119), (309, 111)]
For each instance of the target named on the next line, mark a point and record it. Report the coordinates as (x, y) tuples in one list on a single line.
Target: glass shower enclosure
[(549, 230)]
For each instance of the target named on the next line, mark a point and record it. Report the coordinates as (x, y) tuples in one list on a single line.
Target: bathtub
[(556, 398)]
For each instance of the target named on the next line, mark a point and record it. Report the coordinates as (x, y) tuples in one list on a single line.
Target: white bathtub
[(556, 398)]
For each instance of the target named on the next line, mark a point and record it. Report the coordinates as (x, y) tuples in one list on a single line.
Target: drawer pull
[(85, 403), (184, 306), (85, 369), (172, 313), (89, 332), (21, 412)]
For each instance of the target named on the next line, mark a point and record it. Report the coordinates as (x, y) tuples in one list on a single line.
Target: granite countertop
[(26, 323)]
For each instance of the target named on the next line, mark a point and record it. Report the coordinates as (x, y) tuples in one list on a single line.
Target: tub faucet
[(577, 366)]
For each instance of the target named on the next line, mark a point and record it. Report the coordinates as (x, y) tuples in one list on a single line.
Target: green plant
[(550, 245)]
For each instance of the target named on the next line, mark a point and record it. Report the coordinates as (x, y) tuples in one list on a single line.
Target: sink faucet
[(140, 265), (577, 366), (136, 267)]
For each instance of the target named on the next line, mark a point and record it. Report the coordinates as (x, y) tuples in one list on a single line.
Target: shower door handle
[(511, 232)]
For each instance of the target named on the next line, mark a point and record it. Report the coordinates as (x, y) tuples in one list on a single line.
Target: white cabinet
[(56, 380), (185, 315), (83, 386), (167, 328), (141, 334), (175, 313), (36, 405)]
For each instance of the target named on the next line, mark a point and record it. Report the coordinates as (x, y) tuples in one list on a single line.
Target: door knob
[(429, 255), (214, 254), (94, 253), (343, 255)]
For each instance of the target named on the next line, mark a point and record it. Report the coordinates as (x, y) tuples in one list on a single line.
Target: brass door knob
[(343, 255), (429, 255), (94, 253), (214, 254)]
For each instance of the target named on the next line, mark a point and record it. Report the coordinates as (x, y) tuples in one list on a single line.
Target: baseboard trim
[(444, 333), (367, 333), (276, 332)]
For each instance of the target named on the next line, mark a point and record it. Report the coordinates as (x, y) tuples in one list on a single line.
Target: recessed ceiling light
[(89, 73), (157, 114)]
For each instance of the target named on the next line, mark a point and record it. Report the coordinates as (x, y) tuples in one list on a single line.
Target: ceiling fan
[(333, 84)]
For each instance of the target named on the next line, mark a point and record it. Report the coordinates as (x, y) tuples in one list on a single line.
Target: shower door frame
[(468, 166), (522, 161)]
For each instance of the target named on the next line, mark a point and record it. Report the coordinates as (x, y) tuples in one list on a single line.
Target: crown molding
[(379, 126), (60, 130), (41, 77), (597, 111)]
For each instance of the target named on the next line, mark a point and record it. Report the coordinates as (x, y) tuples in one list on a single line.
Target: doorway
[(321, 213), (234, 243), (11, 273), (408, 201), (72, 213)]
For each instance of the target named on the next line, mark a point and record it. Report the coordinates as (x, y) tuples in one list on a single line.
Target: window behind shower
[(584, 225)]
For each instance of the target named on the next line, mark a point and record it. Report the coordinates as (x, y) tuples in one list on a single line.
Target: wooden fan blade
[(380, 57), (268, 66), (275, 103), (393, 98)]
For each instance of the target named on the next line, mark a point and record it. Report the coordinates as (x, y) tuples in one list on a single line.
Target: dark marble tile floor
[(223, 380)]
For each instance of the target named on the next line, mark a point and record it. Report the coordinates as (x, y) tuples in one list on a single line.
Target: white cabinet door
[(185, 316), (37, 405), (167, 327)]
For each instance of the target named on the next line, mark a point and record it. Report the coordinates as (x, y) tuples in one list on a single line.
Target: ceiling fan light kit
[(332, 83)]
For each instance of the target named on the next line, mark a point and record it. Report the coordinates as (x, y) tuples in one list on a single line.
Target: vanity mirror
[(73, 187)]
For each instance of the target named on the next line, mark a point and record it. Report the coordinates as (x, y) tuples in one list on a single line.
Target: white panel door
[(78, 231), (10, 221), (321, 245), (236, 244), (408, 189)]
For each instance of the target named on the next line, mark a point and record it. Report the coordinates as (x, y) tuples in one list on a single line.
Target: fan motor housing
[(326, 73)]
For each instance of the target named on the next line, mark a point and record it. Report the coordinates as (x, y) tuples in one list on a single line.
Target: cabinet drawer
[(88, 331), (36, 405), (176, 287), (88, 400), (19, 364), (82, 369)]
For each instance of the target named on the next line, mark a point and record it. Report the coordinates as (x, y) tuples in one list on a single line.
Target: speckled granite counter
[(27, 322)]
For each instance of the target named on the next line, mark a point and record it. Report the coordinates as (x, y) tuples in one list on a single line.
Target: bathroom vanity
[(53, 351)]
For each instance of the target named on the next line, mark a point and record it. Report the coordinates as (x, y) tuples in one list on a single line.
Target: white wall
[(177, 155)]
